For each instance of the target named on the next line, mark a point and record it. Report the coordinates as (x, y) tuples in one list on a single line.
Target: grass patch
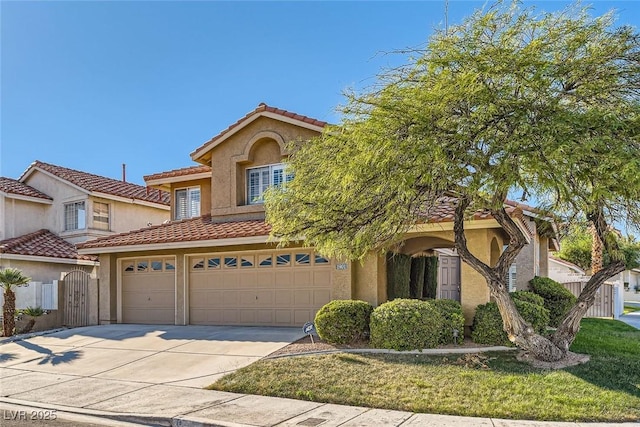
[(605, 389), (630, 309)]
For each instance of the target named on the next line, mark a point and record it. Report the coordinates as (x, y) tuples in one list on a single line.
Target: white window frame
[(100, 225), (276, 176), (75, 215), (511, 277), (192, 208)]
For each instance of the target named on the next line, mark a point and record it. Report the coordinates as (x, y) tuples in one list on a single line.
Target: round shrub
[(557, 299), (527, 296), (406, 324), (343, 321), (451, 312), (488, 327)]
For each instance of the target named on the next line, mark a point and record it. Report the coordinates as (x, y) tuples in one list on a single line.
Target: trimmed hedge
[(451, 312), (488, 327), (416, 283), (398, 275), (430, 278), (557, 299), (343, 321), (406, 324)]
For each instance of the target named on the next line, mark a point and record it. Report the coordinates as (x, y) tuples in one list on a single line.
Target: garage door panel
[(265, 317), (321, 277), (266, 298), (266, 279), (284, 279), (283, 317), (321, 297), (148, 296), (302, 298), (263, 288), (283, 298)]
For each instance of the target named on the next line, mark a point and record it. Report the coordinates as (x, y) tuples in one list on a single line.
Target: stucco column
[(370, 282), (182, 314), (107, 289), (341, 279)]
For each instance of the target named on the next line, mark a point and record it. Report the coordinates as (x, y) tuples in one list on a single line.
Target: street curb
[(427, 352)]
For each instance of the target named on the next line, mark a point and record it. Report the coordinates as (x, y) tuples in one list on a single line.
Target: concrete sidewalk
[(187, 407)]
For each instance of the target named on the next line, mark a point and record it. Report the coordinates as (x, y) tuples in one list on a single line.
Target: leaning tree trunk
[(517, 329), (569, 327), (9, 313)]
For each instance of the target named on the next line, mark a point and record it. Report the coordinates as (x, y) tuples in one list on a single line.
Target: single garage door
[(148, 291), (277, 288)]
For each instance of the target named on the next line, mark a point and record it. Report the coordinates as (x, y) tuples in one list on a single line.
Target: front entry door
[(449, 277)]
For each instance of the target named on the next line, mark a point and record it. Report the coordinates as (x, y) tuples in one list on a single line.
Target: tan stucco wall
[(205, 194), (257, 144), (18, 217)]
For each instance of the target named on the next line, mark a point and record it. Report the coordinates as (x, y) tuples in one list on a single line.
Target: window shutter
[(181, 204)]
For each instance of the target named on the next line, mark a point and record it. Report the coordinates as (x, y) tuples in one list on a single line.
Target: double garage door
[(278, 288)]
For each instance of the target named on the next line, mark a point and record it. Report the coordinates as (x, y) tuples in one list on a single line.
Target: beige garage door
[(148, 291), (258, 288)]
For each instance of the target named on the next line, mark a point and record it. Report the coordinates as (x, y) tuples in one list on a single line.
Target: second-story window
[(101, 216), (259, 179), (187, 203), (75, 216)]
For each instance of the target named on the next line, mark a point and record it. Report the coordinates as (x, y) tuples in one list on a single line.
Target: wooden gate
[(76, 298), (603, 304)]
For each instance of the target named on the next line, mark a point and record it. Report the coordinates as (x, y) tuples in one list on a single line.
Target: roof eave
[(201, 152), (177, 245)]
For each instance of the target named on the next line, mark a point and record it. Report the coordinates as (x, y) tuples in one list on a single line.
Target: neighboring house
[(214, 263), (565, 272), (50, 208)]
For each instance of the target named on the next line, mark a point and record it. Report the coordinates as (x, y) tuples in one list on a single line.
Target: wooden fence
[(603, 304)]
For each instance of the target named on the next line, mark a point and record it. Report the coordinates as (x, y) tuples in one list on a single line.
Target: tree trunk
[(9, 313), (596, 250), (569, 327)]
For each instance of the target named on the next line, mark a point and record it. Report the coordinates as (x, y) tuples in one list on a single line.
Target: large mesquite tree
[(544, 106)]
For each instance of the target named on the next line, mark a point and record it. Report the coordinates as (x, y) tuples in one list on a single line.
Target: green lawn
[(630, 309), (605, 389)]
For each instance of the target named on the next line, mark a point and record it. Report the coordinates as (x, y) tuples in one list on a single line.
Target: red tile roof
[(42, 243), (188, 230), (204, 228), (101, 184), (262, 107), (13, 186), (192, 170)]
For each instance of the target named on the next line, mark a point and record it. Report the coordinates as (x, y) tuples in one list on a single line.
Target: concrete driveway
[(85, 366)]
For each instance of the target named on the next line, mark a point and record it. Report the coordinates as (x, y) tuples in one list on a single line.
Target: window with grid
[(259, 179), (74, 216), (187, 203), (101, 215)]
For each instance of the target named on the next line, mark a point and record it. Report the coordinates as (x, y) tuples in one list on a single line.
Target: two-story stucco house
[(50, 208), (214, 264)]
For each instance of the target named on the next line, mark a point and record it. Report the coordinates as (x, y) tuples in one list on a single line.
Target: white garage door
[(279, 288), (148, 291)]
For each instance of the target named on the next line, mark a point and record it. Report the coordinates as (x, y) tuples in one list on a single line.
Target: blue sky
[(91, 85)]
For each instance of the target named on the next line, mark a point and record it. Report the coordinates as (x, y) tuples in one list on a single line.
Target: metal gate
[(76, 298), (603, 303)]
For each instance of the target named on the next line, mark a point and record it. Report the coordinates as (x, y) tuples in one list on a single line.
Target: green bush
[(557, 299), (451, 312), (488, 327), (398, 275), (406, 324), (416, 283), (343, 321), (527, 296)]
